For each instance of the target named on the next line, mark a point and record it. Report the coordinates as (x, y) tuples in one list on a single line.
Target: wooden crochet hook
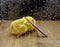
[(36, 27)]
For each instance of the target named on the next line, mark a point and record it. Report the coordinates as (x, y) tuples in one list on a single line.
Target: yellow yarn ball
[(20, 26)]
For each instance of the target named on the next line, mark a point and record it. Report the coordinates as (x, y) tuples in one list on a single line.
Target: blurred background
[(39, 9), (47, 14)]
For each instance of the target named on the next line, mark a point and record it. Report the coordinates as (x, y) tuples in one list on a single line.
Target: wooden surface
[(35, 39)]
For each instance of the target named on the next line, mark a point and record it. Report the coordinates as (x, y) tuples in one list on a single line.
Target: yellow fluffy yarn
[(20, 26)]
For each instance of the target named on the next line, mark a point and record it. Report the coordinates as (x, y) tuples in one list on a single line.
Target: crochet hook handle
[(36, 27)]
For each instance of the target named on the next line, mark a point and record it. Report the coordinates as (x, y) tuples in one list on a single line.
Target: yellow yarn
[(21, 26)]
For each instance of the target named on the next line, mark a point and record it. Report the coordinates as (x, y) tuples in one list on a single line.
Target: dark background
[(39, 9)]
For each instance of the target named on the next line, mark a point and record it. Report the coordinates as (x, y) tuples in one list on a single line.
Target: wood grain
[(35, 39)]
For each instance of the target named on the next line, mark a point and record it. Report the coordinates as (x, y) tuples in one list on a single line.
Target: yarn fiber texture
[(21, 26)]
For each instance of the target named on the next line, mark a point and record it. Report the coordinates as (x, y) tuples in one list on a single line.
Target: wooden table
[(35, 39)]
